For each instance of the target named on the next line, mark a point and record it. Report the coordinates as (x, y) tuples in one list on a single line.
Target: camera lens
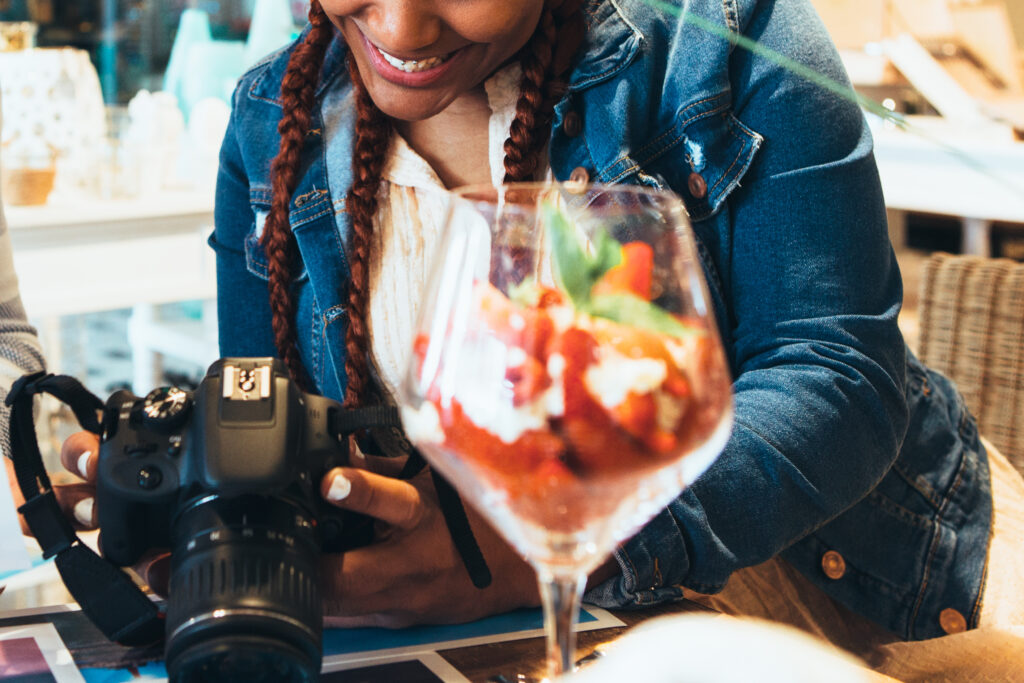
[(244, 600)]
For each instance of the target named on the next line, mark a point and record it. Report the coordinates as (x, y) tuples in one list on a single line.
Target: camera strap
[(105, 593)]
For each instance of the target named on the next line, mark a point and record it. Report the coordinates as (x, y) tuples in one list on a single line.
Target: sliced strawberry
[(507, 460), (528, 379), (637, 415), (527, 328), (634, 274)]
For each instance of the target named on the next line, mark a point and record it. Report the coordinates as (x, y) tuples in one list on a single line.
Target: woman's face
[(416, 57)]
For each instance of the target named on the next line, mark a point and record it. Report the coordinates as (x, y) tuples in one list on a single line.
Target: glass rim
[(477, 193)]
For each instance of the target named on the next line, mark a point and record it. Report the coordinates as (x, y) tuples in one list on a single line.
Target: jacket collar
[(611, 43), (267, 86)]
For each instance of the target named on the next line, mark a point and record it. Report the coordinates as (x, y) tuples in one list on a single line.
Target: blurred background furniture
[(971, 328), (953, 72), (95, 255)]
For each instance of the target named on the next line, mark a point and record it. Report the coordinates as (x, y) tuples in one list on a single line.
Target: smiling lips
[(411, 73), (411, 66)]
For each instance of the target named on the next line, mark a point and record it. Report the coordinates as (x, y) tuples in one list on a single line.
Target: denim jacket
[(843, 442)]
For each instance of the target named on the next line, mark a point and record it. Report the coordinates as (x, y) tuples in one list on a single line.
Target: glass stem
[(561, 598)]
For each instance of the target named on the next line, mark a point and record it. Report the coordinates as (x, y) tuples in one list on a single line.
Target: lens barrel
[(244, 600)]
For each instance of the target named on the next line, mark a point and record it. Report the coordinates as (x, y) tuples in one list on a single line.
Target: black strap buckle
[(48, 524), (26, 385)]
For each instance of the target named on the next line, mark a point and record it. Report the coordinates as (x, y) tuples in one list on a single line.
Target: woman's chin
[(405, 106)]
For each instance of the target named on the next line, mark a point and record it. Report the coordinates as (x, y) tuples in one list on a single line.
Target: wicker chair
[(972, 329)]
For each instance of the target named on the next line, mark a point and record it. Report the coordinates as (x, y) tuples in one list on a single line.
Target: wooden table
[(479, 663)]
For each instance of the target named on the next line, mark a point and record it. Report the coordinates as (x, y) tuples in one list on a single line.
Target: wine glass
[(567, 376)]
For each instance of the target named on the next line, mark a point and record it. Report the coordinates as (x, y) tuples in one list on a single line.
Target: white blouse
[(407, 230)]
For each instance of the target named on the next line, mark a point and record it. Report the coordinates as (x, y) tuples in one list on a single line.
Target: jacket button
[(952, 621), (833, 564), (572, 125), (579, 176), (697, 186)]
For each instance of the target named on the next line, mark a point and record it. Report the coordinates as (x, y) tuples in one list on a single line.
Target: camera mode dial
[(165, 409)]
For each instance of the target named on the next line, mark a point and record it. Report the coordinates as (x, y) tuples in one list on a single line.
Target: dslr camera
[(227, 477)]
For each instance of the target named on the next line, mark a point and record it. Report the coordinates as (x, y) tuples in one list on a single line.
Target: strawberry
[(508, 460), (528, 380), (634, 274)]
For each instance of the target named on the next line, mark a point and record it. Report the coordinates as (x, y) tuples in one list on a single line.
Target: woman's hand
[(412, 573), (79, 455), (77, 501)]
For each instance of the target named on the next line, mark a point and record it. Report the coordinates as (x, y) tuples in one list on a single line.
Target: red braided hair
[(544, 60), (373, 131), (541, 86), (298, 88)]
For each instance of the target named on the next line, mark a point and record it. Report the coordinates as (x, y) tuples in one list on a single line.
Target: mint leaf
[(607, 255), (629, 309), (575, 270)]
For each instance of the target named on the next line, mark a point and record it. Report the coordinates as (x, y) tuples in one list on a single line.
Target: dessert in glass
[(567, 376)]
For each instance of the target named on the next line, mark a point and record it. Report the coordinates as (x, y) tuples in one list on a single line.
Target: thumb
[(387, 499)]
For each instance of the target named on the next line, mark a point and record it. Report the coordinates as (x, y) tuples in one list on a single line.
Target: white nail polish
[(83, 511), (83, 464), (340, 488)]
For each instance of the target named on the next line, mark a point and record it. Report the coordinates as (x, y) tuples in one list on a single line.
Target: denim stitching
[(976, 610), (259, 195), (935, 544), (929, 493), (306, 220), (897, 510), (675, 129), (328, 317), (316, 350), (629, 170), (258, 81), (731, 15), (679, 125), (739, 154)]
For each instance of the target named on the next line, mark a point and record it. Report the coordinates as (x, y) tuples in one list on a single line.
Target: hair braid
[(372, 134), (544, 61), (298, 89)]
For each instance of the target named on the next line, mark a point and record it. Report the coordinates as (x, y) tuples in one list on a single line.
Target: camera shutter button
[(150, 477)]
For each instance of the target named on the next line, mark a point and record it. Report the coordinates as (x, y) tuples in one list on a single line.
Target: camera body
[(227, 477)]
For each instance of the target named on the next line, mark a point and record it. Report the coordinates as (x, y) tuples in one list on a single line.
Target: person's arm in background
[(20, 352)]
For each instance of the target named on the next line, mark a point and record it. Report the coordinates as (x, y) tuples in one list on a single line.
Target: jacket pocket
[(703, 156), (256, 261), (329, 352)]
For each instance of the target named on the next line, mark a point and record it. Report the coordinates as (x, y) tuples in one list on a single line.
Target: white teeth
[(413, 65)]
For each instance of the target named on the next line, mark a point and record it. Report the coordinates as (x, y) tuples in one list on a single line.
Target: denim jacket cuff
[(652, 563)]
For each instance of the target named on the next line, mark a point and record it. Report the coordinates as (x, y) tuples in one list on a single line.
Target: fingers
[(78, 501), (389, 500), (79, 454), (387, 466), (155, 569)]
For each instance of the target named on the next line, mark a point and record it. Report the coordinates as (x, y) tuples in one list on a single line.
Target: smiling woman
[(854, 473), (416, 59)]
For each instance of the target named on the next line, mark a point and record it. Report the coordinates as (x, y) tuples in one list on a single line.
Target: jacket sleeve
[(814, 291), (243, 310)]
